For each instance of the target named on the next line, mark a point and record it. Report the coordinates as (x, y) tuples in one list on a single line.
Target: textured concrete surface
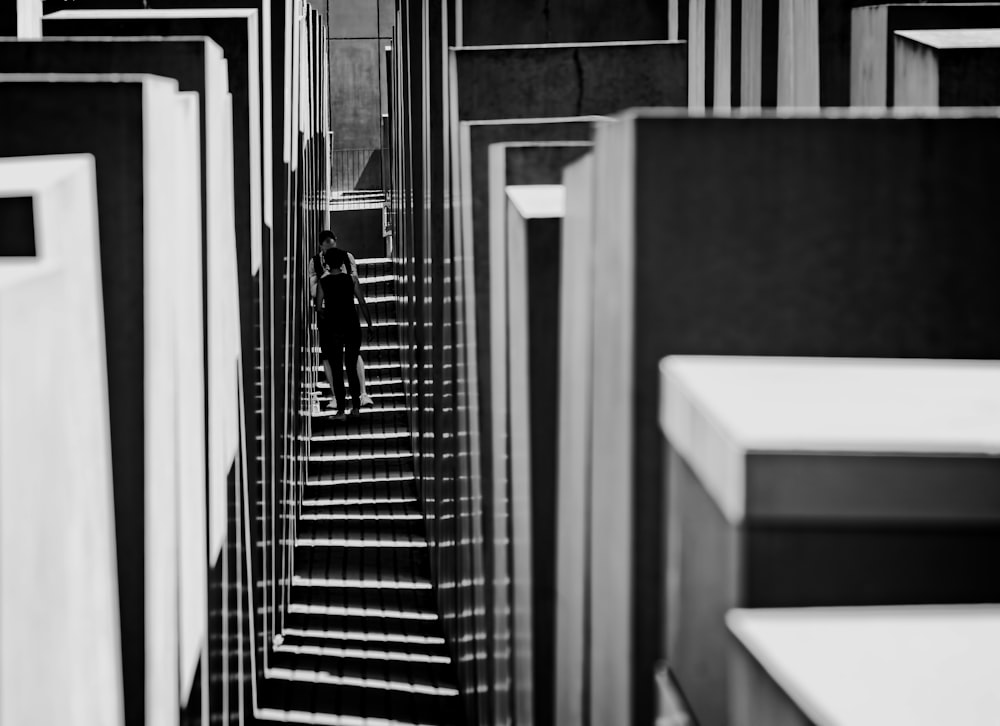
[(947, 68), (514, 163), (539, 81), (873, 47), (485, 22), (357, 81)]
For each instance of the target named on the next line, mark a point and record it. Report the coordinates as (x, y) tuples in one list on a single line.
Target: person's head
[(327, 240)]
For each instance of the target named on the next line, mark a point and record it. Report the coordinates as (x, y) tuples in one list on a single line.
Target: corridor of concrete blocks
[(683, 362)]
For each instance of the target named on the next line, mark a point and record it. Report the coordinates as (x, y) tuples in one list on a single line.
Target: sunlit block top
[(870, 666), (838, 438)]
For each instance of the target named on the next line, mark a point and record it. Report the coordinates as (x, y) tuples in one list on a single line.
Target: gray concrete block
[(534, 216), (355, 90), (354, 19), (142, 134), (947, 68), (566, 80), (808, 236), (878, 664), (513, 163), (804, 482), (873, 46), (560, 21), (797, 53), (573, 482)]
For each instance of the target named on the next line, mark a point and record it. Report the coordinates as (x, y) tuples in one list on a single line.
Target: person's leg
[(352, 352), (326, 351), (337, 373), (328, 370), (366, 400)]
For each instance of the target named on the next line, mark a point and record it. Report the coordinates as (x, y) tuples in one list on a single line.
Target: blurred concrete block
[(354, 91), (811, 481), (146, 136), (572, 472), (59, 618), (947, 68), (921, 665), (236, 32), (797, 53), (873, 50), (534, 221), (199, 67), (511, 163), (807, 235)]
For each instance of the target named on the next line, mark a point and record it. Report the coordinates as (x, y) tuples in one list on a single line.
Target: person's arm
[(357, 288), (361, 300), (313, 280)]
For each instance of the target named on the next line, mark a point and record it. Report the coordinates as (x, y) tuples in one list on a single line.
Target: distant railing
[(356, 178)]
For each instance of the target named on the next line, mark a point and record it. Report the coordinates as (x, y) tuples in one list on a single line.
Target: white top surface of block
[(914, 665), (955, 39), (132, 14), (538, 201), (716, 410)]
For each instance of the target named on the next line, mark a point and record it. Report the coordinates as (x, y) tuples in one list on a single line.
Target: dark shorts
[(338, 338)]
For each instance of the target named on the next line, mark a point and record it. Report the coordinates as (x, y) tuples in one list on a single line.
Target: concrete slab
[(517, 83), (61, 620), (873, 45), (865, 665), (559, 21), (236, 32), (536, 81), (796, 53), (947, 68), (533, 245), (512, 163), (355, 92), (470, 199), (841, 258), (572, 475), (803, 482), (198, 66), (145, 135)]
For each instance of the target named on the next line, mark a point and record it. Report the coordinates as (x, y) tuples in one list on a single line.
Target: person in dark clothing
[(339, 328)]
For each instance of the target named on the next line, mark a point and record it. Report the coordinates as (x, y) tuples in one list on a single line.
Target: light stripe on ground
[(301, 581), (361, 457), (362, 543), (326, 719), (355, 612), (361, 517), (354, 502), (365, 636), (380, 435), (358, 480), (362, 654), (373, 683)]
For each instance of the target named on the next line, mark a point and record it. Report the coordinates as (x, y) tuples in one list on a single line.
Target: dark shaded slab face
[(18, 218), (947, 68), (181, 59), (811, 236), (543, 81), (561, 21)]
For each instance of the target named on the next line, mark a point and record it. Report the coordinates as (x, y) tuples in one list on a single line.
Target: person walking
[(339, 327)]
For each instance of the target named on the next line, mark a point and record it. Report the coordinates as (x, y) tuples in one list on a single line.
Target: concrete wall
[(359, 32)]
